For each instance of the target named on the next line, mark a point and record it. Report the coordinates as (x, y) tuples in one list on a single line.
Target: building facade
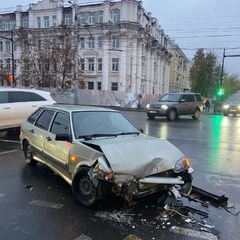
[(179, 70), (118, 45)]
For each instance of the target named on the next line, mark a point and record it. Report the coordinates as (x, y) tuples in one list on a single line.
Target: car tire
[(151, 116), (225, 113), (196, 114), (28, 154), (83, 188), (172, 115)]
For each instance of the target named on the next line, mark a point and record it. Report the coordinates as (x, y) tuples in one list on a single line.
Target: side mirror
[(63, 137)]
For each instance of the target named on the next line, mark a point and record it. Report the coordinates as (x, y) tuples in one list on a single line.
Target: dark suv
[(171, 105)]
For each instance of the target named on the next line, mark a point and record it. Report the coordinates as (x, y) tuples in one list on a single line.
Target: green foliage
[(231, 85), (205, 73)]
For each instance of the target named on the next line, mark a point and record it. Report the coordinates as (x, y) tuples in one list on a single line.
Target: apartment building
[(118, 45), (179, 70)]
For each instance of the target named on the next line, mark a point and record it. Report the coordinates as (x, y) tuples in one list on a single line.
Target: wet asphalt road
[(37, 204)]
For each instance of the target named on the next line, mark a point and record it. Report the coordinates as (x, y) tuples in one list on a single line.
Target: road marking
[(193, 233), (46, 204), (11, 141), (83, 237), (11, 151), (2, 195)]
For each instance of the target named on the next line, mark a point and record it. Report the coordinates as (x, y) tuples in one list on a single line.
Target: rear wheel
[(172, 115), (225, 113), (83, 188), (196, 114), (28, 154)]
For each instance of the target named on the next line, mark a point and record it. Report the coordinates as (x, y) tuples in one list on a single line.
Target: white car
[(17, 103)]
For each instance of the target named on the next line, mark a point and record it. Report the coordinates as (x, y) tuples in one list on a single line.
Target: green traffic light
[(220, 92)]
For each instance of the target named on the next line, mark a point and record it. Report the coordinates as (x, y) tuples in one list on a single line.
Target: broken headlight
[(181, 164)]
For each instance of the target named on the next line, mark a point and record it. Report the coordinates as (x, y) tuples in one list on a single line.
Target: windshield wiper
[(128, 133), (91, 136)]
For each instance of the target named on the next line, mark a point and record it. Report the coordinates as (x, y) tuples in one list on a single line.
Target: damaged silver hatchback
[(99, 151)]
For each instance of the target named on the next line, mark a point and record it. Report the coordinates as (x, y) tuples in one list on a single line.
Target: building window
[(116, 15), (82, 19), (82, 42), (91, 64), (99, 64), (8, 64), (1, 46), (46, 21), (68, 19), (100, 41), (100, 16), (82, 64), (114, 86), (39, 22), (8, 46), (90, 85), (25, 22), (92, 18), (1, 25), (1, 64), (115, 41), (15, 64), (54, 20), (115, 64), (99, 86), (14, 24), (7, 25), (91, 42)]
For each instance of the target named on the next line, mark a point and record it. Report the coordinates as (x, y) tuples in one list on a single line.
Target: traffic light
[(10, 78), (220, 92)]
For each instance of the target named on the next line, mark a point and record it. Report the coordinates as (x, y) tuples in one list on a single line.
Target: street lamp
[(11, 39), (76, 55)]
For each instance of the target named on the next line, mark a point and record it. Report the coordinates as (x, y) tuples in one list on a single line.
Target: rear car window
[(198, 97), (34, 116), (45, 119), (21, 96), (3, 97)]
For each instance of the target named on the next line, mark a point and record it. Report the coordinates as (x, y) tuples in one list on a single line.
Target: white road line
[(46, 204), (11, 141), (2, 195), (193, 233), (83, 237), (11, 151)]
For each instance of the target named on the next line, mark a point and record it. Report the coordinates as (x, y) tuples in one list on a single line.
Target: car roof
[(13, 89), (183, 93), (77, 108)]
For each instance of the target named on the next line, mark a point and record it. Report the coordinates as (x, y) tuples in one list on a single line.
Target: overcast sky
[(193, 24)]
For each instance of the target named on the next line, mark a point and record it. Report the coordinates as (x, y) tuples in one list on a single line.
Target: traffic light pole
[(224, 56)]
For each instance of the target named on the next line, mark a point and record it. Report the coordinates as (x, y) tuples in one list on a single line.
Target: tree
[(204, 73), (231, 85), (47, 60)]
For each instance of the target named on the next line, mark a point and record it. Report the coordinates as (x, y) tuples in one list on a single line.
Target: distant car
[(232, 107), (172, 105), (16, 104), (98, 151)]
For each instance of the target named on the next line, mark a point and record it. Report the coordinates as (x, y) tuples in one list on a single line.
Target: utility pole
[(11, 39), (76, 53)]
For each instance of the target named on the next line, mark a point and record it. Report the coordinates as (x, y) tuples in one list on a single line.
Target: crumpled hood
[(138, 155)]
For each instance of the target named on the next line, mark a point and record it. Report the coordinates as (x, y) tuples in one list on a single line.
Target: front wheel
[(28, 154), (151, 116), (172, 115), (83, 188), (196, 114)]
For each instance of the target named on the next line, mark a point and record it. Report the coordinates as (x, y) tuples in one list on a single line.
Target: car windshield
[(100, 124), (170, 98), (235, 101)]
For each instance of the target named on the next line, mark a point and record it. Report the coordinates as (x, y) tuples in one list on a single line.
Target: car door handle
[(31, 131), (6, 108), (48, 139)]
